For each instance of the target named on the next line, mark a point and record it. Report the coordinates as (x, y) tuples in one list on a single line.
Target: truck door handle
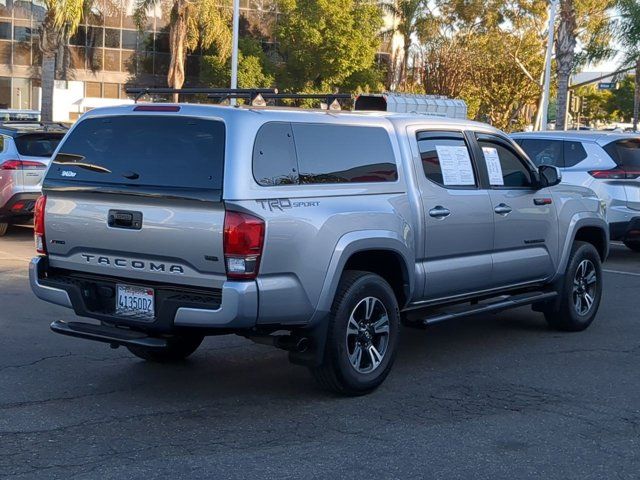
[(502, 209), (439, 212)]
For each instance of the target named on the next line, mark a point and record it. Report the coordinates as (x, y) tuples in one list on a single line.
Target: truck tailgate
[(178, 242)]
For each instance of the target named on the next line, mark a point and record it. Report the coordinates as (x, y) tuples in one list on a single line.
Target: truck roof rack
[(240, 92), (255, 96)]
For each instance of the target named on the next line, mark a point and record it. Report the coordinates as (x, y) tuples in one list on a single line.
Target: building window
[(5, 92), (5, 52), (92, 89), (111, 38), (111, 90), (21, 93), (112, 60), (78, 57), (80, 37), (22, 53), (21, 33), (94, 36), (129, 38), (5, 29)]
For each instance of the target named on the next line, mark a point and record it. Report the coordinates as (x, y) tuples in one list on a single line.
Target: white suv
[(25, 153), (606, 162)]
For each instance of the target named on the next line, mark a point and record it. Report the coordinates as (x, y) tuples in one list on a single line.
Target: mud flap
[(314, 355)]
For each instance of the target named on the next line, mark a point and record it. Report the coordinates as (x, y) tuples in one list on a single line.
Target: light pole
[(234, 48), (544, 101)]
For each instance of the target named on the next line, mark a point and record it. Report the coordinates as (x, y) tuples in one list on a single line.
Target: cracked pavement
[(493, 397)]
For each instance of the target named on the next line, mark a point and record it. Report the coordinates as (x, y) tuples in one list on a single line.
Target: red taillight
[(38, 225), (21, 165), (243, 240), (614, 174)]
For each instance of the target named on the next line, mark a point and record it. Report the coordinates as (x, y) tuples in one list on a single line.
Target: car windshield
[(150, 150)]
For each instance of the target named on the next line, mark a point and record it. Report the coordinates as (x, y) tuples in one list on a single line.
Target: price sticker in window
[(494, 168)]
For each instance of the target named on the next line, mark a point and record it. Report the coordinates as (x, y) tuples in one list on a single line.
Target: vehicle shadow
[(228, 367)]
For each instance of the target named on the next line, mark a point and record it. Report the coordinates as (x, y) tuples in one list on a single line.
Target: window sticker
[(494, 168), (456, 165)]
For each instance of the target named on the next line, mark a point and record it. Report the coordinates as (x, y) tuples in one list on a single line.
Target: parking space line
[(619, 272)]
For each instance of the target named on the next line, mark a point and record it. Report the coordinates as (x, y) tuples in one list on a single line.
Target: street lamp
[(544, 101), (234, 48)]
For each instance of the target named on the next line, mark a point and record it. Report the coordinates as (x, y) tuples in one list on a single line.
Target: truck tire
[(581, 291), (3, 229), (178, 348), (362, 335), (633, 244)]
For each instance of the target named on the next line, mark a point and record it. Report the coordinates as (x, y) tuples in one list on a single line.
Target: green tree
[(192, 24), (596, 106), (628, 28), (621, 101), (254, 68), (325, 43), (488, 53), (61, 21)]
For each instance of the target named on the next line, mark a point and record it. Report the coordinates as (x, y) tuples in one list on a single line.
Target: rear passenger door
[(458, 216), (526, 227)]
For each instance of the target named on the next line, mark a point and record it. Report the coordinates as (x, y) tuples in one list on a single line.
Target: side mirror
[(550, 175)]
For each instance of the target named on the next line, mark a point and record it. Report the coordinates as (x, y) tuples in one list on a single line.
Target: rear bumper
[(625, 230), (234, 307), (19, 207)]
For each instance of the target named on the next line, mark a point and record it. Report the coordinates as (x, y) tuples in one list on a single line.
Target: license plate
[(137, 302)]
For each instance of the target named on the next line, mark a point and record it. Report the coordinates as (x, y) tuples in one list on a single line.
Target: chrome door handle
[(502, 209), (439, 212)]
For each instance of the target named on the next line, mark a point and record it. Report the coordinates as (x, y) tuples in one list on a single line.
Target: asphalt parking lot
[(499, 396)]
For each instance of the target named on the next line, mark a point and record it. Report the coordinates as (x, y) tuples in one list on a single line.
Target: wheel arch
[(588, 228), (382, 252), (596, 236)]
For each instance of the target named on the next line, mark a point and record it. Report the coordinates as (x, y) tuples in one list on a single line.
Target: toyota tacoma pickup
[(313, 231)]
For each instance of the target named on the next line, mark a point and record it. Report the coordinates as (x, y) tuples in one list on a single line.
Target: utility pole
[(234, 51), (544, 101)]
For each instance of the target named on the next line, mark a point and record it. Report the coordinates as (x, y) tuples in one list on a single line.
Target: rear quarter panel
[(305, 223)]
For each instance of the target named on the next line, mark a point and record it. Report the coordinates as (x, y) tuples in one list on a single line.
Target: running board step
[(106, 334), (488, 306)]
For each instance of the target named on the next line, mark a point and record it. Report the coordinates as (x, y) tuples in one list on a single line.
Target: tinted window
[(343, 154), (274, 155), (158, 151), (574, 153), (512, 169), (543, 152), (38, 144), (440, 152), (626, 153)]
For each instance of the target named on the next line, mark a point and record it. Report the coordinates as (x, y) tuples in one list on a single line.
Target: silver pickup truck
[(315, 232)]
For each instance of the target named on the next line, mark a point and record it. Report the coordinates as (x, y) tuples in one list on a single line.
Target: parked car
[(310, 231), (25, 153), (608, 163)]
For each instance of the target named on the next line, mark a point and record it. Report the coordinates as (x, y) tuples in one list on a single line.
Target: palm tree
[(60, 23), (629, 37), (565, 54), (192, 24), (407, 15), (589, 23)]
